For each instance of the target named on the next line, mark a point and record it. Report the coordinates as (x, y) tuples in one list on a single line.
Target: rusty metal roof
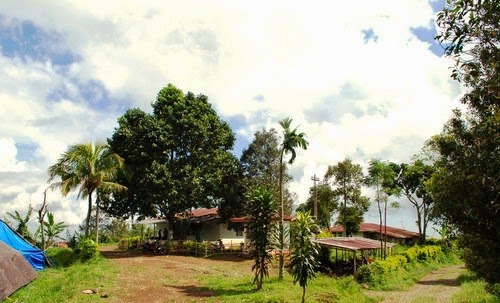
[(375, 228), (351, 243)]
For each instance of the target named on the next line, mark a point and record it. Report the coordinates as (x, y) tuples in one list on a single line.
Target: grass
[(66, 281), (473, 290), (321, 289)]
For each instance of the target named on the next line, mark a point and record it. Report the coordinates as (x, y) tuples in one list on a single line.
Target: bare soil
[(166, 278)]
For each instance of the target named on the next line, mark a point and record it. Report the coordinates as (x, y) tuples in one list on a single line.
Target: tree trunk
[(281, 222), (303, 294), (89, 211), (385, 229), (97, 218), (380, 227), (41, 215)]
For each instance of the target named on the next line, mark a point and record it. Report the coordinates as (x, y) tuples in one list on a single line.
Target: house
[(372, 231), (203, 224)]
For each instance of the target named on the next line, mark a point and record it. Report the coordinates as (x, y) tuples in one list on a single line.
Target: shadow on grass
[(446, 282), (197, 291)]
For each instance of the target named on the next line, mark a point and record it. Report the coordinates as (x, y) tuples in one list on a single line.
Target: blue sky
[(361, 83)]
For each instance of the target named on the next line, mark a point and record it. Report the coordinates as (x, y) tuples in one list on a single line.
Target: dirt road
[(439, 286)]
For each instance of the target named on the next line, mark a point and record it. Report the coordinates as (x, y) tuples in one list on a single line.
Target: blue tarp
[(34, 255)]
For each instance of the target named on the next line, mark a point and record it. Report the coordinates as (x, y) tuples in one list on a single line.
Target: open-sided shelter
[(35, 256), (15, 271)]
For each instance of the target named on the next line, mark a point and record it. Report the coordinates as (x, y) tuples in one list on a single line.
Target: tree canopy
[(260, 164), (178, 157), (346, 179), (90, 168), (466, 185)]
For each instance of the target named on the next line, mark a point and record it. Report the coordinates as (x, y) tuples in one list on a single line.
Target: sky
[(363, 79)]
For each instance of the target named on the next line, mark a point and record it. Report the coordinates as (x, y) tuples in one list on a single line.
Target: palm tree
[(291, 141), (91, 168)]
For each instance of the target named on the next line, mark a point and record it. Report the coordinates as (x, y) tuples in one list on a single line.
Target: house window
[(239, 232)]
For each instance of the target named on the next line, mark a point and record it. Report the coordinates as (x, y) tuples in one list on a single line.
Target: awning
[(351, 243)]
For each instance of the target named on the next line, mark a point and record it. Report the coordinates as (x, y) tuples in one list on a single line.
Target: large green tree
[(466, 186), (292, 140), (178, 157), (260, 164), (90, 168), (327, 203), (346, 179), (261, 209)]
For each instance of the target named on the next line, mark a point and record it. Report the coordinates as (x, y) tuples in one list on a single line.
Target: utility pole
[(315, 179)]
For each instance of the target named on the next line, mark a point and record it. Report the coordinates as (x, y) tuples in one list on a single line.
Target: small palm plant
[(305, 252), (261, 208)]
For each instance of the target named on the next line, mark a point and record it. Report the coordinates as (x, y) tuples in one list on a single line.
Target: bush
[(61, 257), (129, 243), (88, 250), (379, 270)]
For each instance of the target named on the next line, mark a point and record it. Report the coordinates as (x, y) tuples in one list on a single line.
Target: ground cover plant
[(69, 276), (400, 271)]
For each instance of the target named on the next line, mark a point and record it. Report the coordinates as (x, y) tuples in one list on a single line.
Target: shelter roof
[(247, 219), (351, 243), (153, 221), (375, 228)]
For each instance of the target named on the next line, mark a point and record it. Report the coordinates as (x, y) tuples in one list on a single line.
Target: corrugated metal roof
[(375, 228), (351, 243)]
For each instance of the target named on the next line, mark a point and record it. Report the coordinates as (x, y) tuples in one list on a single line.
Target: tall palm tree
[(291, 140), (91, 168)]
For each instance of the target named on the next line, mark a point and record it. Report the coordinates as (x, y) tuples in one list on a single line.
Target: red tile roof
[(375, 228)]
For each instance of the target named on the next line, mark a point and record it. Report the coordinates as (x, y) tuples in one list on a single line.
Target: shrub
[(390, 264), (88, 250), (129, 243), (59, 256), (189, 245), (364, 274)]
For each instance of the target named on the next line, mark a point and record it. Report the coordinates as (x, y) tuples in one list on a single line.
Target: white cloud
[(353, 97)]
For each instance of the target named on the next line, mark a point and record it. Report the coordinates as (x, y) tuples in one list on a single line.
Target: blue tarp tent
[(34, 255)]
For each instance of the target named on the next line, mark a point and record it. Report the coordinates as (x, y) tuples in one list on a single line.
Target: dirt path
[(439, 286)]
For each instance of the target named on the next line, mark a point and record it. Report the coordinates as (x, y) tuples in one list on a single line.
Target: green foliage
[(292, 139), (303, 264), (129, 243), (51, 229), (177, 158), (411, 179), (383, 273), (327, 204), (22, 223), (260, 165), (88, 250), (261, 209), (347, 179), (65, 284), (465, 186), (61, 257), (91, 168)]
